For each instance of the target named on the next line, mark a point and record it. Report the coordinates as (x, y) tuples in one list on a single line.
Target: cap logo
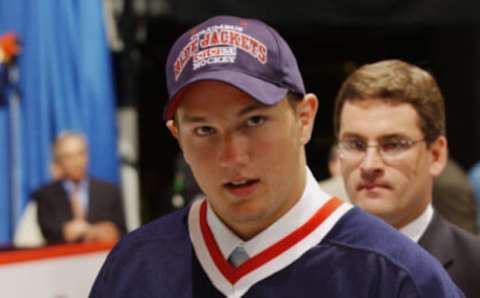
[(218, 44)]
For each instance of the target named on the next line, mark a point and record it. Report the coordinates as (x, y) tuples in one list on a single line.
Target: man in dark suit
[(458, 251), (76, 207), (390, 126)]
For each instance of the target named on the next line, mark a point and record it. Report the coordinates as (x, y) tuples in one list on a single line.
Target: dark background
[(328, 37)]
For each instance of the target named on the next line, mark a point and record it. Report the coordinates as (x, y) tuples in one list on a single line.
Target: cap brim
[(262, 91)]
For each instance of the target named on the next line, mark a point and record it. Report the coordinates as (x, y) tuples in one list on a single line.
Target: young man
[(76, 207), (239, 111), (390, 125)]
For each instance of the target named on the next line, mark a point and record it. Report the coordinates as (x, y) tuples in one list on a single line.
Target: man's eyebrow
[(248, 109), (194, 119), (397, 135), (352, 135), (390, 136), (252, 108)]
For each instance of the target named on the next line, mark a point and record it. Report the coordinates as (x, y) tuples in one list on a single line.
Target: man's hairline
[(384, 100), (292, 98)]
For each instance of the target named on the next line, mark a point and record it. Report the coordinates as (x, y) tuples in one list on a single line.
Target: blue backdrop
[(66, 84)]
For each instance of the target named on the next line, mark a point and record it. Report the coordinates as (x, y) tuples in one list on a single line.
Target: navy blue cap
[(245, 53)]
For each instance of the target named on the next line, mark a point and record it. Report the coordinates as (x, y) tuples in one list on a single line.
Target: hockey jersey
[(339, 251)]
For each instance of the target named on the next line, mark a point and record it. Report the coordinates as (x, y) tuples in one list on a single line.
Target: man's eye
[(204, 131), (255, 121), (393, 145), (355, 145)]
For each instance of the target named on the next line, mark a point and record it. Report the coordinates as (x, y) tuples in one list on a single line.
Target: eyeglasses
[(389, 149)]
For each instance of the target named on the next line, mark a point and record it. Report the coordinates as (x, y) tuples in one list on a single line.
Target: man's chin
[(376, 205)]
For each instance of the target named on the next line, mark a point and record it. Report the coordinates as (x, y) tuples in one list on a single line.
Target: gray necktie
[(238, 256)]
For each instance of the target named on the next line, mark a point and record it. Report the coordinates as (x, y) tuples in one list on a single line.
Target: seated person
[(76, 207)]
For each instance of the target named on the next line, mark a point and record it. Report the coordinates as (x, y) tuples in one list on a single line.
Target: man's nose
[(372, 163), (234, 151)]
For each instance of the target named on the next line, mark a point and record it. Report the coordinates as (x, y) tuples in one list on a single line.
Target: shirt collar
[(84, 186), (415, 229), (69, 185), (312, 198)]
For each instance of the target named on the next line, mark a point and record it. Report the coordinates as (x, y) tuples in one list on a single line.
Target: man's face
[(72, 158), (248, 158), (398, 187)]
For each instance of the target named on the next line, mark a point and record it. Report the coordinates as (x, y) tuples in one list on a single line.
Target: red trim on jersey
[(234, 274), (223, 265), (61, 250)]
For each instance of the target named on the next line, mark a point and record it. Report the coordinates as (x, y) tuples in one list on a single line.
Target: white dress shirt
[(417, 227)]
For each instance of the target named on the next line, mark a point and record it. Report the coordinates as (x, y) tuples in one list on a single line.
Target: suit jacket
[(53, 207), (457, 250)]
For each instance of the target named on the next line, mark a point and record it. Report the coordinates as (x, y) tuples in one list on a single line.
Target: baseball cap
[(245, 53)]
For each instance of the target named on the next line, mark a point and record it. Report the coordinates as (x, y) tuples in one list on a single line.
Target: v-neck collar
[(301, 228)]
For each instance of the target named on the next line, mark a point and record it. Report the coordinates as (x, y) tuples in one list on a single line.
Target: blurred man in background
[(334, 185), (453, 197), (474, 178), (76, 207), (390, 125)]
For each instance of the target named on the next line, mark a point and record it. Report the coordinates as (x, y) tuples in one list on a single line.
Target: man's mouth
[(241, 187), (372, 186), (240, 183)]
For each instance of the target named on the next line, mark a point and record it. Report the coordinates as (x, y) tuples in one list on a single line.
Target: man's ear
[(172, 128), (176, 134), (306, 112), (439, 155)]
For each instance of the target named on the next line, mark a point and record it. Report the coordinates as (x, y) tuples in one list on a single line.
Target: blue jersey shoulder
[(363, 233)]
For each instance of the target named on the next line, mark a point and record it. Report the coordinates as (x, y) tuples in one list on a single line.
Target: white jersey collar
[(300, 212), (301, 228)]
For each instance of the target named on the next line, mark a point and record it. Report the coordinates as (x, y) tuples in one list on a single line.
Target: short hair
[(294, 99), (62, 136), (395, 81)]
